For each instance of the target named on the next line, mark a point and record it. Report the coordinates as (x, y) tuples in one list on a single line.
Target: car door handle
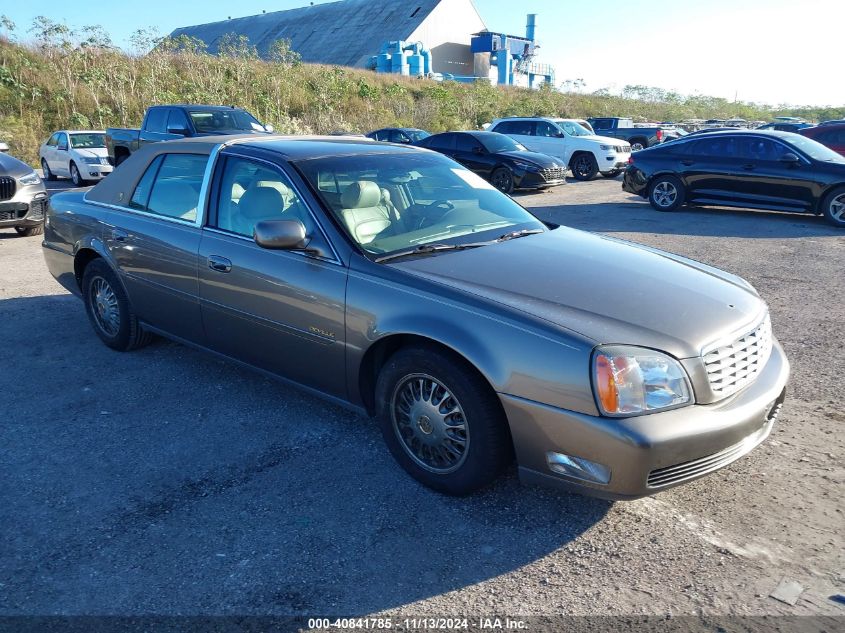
[(119, 235), (748, 166), (220, 264)]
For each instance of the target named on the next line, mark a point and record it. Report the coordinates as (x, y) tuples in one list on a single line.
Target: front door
[(282, 311), (155, 244), (470, 153), (769, 182), (60, 161)]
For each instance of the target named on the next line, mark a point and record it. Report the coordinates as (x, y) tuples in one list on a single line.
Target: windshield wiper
[(424, 249), (514, 234)]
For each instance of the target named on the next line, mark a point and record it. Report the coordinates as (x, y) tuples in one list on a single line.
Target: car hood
[(541, 160), (604, 289), (11, 166), (605, 140), (92, 152)]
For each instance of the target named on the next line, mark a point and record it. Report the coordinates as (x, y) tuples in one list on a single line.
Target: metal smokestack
[(529, 28)]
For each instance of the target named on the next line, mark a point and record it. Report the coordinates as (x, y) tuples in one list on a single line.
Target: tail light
[(631, 159), (659, 135)]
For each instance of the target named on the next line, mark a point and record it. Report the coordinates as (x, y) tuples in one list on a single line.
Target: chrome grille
[(7, 188), (733, 366), (623, 149), (555, 173)]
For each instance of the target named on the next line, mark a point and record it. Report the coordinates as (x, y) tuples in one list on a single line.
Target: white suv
[(585, 153)]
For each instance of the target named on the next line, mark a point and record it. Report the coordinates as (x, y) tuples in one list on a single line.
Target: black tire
[(833, 207), (29, 231), (123, 333), (613, 173), (584, 166), (75, 176), (45, 169), (638, 143), (666, 193), (488, 448), (502, 179)]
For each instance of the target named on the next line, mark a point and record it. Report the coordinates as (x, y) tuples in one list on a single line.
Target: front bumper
[(539, 179), (95, 171), (649, 453), (23, 212)]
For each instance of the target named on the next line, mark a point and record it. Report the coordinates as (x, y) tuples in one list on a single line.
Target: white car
[(567, 139), (80, 155)]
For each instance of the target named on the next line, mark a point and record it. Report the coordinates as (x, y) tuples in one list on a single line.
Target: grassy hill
[(52, 84)]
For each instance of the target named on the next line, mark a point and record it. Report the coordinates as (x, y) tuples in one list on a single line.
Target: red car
[(831, 135)]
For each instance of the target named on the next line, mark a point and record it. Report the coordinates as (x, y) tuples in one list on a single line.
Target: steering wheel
[(426, 220)]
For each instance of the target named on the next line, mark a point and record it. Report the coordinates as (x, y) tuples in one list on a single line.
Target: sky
[(765, 51)]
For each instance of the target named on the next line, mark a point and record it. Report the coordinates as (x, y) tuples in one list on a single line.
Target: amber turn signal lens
[(606, 384)]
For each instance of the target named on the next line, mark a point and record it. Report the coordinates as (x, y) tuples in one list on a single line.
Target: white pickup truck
[(585, 153)]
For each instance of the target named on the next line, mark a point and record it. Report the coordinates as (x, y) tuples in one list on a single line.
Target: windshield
[(389, 203), (816, 150), (88, 141), (215, 121), (494, 143), (417, 135), (574, 129)]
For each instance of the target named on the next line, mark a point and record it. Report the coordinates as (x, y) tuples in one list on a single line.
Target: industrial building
[(435, 38)]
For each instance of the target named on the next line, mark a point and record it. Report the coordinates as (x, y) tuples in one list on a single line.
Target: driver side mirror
[(62, 147), (478, 150), (560, 135), (269, 128), (790, 159), (181, 131)]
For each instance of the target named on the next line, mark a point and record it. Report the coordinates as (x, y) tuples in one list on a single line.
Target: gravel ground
[(167, 482)]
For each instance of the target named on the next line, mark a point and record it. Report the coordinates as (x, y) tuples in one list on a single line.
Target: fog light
[(578, 467)]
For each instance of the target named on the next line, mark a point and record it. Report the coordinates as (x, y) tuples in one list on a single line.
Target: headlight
[(633, 380), (526, 166), (30, 179), (91, 161), (607, 148)]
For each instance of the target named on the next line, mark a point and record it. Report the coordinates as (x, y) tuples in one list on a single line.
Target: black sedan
[(777, 171), (406, 135), (497, 158)]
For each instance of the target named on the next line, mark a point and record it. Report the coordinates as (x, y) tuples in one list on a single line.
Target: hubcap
[(636, 147), (105, 307), (429, 423), (837, 208), (74, 175), (665, 194)]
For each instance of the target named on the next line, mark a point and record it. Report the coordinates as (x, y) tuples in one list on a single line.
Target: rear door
[(520, 130), (155, 243), (282, 311), (712, 170)]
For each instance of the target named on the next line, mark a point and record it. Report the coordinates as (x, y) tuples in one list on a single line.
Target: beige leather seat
[(256, 204), (174, 199), (362, 211)]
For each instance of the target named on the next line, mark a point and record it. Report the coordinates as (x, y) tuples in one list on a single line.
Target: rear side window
[(466, 143), (171, 186), (716, 147), (441, 141), (519, 128), (156, 120)]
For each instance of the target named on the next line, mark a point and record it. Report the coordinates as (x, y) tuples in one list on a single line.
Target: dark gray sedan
[(398, 283)]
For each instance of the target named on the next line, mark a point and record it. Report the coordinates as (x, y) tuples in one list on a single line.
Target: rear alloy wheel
[(584, 167), (834, 207), (502, 179), (441, 421), (75, 176), (637, 145), (666, 193), (45, 169)]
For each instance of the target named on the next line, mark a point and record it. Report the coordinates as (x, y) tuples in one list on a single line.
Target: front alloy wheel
[(75, 176), (429, 423)]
